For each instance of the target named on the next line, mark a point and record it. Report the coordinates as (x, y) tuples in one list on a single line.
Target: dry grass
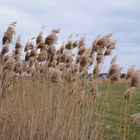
[(49, 95)]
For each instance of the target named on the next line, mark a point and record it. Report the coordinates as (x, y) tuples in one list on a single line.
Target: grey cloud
[(93, 17)]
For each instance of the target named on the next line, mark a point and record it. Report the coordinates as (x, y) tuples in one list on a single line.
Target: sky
[(90, 17)]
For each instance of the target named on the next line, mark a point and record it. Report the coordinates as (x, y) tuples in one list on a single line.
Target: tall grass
[(48, 95)]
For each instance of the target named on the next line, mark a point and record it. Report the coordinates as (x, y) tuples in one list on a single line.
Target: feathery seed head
[(107, 52), (130, 72), (9, 64), (135, 81), (136, 118), (18, 44), (39, 38), (83, 61), (69, 45), (51, 39), (27, 56), (5, 49), (28, 46), (8, 35)]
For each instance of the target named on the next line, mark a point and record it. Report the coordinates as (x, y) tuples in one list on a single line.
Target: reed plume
[(8, 35), (135, 81)]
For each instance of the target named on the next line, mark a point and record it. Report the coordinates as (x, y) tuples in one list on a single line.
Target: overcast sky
[(93, 17)]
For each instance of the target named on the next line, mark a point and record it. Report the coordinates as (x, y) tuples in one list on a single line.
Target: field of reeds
[(46, 92)]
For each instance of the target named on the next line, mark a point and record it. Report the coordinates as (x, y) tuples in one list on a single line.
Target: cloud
[(93, 17)]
